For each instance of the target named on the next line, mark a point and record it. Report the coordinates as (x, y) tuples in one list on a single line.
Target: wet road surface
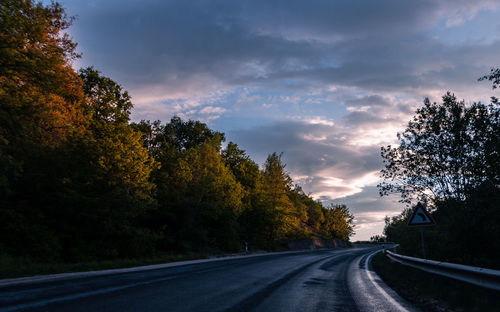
[(324, 280)]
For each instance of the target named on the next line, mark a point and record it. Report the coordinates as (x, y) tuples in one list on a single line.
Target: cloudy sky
[(325, 82)]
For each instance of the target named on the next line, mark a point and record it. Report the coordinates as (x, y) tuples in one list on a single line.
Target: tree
[(199, 199), (201, 202), (40, 94), (338, 222), (308, 213), (150, 133), (40, 110), (169, 144), (493, 76), (78, 182), (315, 216), (184, 135), (446, 152), (114, 145), (110, 173), (105, 100), (396, 230), (276, 184), (244, 169), (450, 156), (378, 239)]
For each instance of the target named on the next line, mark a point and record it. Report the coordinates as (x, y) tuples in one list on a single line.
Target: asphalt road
[(324, 280)]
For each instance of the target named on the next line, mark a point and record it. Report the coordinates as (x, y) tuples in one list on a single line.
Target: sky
[(326, 83)]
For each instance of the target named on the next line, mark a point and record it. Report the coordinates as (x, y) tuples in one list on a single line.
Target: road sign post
[(421, 217), (422, 239)]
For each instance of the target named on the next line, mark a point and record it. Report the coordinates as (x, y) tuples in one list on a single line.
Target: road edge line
[(377, 286)]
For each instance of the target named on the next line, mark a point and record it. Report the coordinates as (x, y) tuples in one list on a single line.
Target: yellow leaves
[(201, 175), (123, 159)]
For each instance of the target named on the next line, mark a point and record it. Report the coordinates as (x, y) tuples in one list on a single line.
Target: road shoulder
[(432, 292), (369, 290)]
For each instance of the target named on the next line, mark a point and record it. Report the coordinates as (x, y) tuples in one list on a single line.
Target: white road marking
[(380, 289)]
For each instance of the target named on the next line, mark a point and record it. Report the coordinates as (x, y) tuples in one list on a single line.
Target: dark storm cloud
[(387, 64), (380, 45), (173, 41)]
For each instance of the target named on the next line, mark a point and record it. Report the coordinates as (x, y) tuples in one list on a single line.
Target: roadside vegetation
[(431, 292), (449, 158), (80, 182)]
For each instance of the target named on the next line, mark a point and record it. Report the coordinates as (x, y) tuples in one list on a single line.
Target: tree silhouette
[(446, 152)]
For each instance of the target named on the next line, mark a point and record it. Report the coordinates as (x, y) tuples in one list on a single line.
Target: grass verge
[(432, 292)]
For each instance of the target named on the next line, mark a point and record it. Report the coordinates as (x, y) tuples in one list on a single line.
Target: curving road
[(324, 280)]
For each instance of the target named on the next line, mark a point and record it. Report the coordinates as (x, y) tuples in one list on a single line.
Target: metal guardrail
[(487, 278)]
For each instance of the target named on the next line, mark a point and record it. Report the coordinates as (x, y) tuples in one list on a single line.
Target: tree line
[(80, 181), (449, 158)]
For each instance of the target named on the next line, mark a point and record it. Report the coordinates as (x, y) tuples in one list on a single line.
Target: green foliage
[(208, 198), (105, 100), (185, 135), (245, 170), (111, 176), (150, 132), (74, 176), (39, 92), (279, 212), (40, 110), (338, 222), (78, 182), (113, 145), (276, 184), (202, 180), (198, 196)]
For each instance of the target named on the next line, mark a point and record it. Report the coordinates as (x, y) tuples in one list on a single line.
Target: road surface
[(324, 280)]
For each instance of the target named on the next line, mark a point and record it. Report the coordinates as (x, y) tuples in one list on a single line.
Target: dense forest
[(79, 180), (449, 158)]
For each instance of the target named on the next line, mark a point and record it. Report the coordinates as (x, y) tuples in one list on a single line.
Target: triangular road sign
[(421, 217)]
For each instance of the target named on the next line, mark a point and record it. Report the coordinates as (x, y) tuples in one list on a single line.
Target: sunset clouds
[(325, 82)]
